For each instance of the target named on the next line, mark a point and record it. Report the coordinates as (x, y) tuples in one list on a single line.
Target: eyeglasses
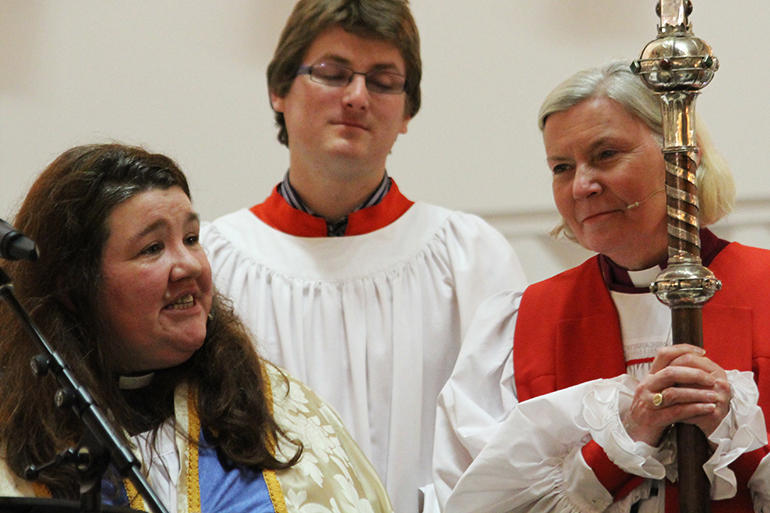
[(378, 81)]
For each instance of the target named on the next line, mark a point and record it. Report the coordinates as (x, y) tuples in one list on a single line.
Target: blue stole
[(219, 489)]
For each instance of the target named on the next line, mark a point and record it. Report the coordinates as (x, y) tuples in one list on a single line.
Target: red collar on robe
[(277, 213)]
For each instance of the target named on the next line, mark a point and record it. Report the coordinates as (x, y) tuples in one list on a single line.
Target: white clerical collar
[(644, 277), (135, 382)]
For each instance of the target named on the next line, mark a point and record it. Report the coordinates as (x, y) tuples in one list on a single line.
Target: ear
[(276, 102), (404, 124)]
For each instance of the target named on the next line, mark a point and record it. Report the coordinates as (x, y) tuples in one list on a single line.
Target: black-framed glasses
[(380, 81)]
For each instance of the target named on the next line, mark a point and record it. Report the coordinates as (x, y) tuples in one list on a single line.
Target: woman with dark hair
[(123, 292)]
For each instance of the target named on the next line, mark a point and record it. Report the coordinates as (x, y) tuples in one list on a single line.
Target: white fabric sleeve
[(759, 485), (523, 466), (483, 263), (533, 462), (742, 430), (479, 393)]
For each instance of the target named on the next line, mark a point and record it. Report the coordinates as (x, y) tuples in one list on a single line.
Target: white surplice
[(372, 323)]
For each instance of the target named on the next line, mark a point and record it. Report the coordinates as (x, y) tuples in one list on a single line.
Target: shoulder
[(744, 272), (498, 308), (238, 240), (468, 235), (459, 222), (577, 275), (332, 469), (737, 252), (741, 264), (552, 297), (230, 227)]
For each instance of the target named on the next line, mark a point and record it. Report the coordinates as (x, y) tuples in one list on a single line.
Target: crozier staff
[(123, 292), (580, 378)]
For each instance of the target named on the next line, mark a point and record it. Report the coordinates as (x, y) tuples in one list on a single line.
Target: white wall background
[(187, 78)]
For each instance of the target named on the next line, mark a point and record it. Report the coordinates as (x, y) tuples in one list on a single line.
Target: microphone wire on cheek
[(636, 204)]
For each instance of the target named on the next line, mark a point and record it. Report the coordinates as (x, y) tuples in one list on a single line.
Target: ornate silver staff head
[(676, 66), (677, 60)]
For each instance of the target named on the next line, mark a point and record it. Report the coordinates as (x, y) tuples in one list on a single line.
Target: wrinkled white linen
[(372, 323)]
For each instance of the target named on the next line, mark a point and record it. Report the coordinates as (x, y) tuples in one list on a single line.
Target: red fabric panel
[(618, 482)]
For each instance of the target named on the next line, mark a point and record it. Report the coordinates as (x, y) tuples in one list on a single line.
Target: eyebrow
[(592, 147), (346, 62), (192, 217)]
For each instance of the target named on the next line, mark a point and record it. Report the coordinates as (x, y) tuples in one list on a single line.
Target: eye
[(607, 154), (560, 168), (330, 71), (152, 249), (191, 240), (385, 81)]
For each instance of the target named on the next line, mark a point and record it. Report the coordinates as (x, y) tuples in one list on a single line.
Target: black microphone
[(14, 245), (636, 204)]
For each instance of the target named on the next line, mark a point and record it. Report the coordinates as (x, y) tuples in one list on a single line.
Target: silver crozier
[(677, 65)]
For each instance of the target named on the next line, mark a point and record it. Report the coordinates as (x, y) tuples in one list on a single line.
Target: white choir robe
[(372, 323)]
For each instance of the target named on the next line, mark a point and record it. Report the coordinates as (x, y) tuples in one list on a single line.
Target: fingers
[(703, 407), (689, 388), (666, 355), (673, 396), (683, 385), (682, 376), (684, 364), (709, 422), (651, 413)]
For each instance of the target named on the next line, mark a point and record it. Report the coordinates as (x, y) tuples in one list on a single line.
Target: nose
[(585, 182), (356, 95), (186, 264)]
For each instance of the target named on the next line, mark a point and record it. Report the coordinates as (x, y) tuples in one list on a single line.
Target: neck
[(333, 196), (641, 254), (637, 264)]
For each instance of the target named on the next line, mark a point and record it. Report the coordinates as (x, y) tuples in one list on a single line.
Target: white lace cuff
[(742, 430), (601, 411)]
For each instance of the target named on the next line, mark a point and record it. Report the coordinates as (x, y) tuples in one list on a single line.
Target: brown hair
[(387, 20), (66, 213)]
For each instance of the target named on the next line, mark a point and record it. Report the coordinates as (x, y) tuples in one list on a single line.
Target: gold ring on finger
[(657, 399)]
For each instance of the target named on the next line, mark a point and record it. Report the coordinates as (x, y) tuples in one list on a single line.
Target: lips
[(595, 215), (181, 303), (350, 123)]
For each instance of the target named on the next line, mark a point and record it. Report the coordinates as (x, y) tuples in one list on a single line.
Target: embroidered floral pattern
[(332, 476)]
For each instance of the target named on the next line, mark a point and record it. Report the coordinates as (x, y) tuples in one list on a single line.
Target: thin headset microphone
[(636, 204)]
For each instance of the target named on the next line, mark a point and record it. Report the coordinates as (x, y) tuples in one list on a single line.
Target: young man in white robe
[(353, 288)]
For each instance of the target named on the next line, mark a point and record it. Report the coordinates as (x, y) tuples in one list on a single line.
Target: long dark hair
[(65, 212)]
